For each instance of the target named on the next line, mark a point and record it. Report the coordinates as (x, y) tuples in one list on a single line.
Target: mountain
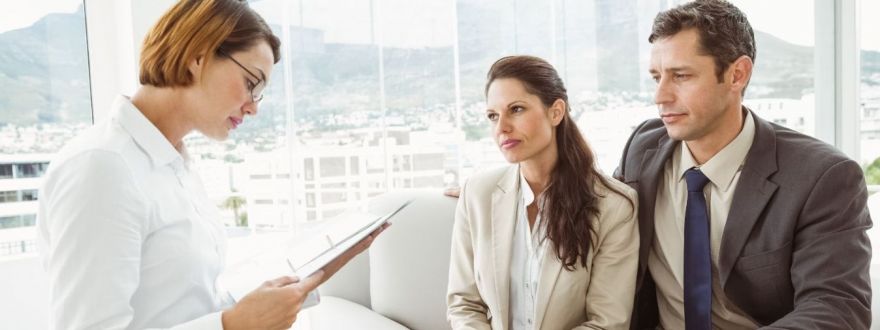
[(782, 69), (337, 79), (44, 72)]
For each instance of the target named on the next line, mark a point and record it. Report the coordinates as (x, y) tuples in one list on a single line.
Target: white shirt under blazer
[(596, 297), (127, 234)]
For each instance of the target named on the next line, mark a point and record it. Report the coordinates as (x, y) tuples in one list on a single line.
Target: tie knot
[(696, 180)]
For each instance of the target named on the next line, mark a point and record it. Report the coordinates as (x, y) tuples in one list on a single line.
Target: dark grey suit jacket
[(794, 252)]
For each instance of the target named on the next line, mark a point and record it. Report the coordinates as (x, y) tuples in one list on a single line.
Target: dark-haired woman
[(128, 236), (548, 242)]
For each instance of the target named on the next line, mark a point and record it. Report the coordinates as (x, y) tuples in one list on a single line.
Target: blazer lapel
[(504, 204), (550, 269), (753, 191), (653, 162)]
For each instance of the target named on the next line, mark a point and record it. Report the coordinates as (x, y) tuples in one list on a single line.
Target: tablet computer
[(281, 255), (319, 251)]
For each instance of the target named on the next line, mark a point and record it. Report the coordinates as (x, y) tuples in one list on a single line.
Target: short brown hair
[(194, 28), (725, 32)]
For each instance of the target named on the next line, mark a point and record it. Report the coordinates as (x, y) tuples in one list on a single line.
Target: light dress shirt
[(127, 234), (526, 260), (666, 259)]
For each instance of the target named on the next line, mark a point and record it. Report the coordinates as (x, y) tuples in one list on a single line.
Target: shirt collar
[(721, 168), (528, 196), (144, 133)]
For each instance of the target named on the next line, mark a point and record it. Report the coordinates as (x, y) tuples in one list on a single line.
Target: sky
[(19, 14), (425, 21), (797, 27)]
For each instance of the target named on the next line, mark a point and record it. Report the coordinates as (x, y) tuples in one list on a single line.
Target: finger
[(281, 281), (452, 192), (312, 282), (380, 229), (364, 243)]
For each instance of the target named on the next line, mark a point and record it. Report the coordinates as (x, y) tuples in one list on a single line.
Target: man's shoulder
[(801, 152), (647, 134)]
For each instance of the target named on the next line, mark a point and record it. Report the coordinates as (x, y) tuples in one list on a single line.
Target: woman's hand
[(334, 266), (273, 305)]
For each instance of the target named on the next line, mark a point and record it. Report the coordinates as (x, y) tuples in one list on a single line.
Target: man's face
[(693, 105)]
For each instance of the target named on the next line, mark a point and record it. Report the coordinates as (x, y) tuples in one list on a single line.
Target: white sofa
[(401, 282)]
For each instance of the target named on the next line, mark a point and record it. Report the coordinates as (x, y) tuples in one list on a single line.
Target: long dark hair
[(572, 196)]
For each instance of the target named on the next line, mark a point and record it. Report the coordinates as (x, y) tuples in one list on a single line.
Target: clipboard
[(303, 258), (331, 246)]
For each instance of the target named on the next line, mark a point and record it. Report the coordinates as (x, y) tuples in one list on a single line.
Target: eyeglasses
[(256, 89)]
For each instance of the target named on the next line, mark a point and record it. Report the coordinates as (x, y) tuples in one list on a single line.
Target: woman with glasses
[(128, 236)]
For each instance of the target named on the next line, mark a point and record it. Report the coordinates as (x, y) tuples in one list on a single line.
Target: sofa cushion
[(336, 313), (409, 262)]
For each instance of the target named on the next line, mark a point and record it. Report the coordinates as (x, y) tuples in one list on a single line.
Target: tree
[(243, 219), (235, 203), (872, 172)]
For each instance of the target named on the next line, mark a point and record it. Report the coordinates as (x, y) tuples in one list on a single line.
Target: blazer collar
[(650, 171), (504, 203), (753, 191)]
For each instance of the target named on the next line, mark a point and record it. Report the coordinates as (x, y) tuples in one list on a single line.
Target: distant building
[(798, 115), (330, 178), (20, 176), (870, 124)]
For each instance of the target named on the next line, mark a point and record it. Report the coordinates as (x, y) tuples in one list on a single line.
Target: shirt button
[(530, 321)]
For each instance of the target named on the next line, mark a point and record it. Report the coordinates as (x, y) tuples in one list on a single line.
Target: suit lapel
[(753, 192), (504, 204), (653, 162), (550, 269)]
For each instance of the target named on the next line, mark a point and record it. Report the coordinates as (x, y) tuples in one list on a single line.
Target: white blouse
[(127, 234), (526, 260)]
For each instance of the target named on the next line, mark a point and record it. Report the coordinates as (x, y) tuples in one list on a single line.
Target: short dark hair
[(725, 32)]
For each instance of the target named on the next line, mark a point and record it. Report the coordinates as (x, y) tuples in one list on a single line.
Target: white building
[(20, 177), (337, 173)]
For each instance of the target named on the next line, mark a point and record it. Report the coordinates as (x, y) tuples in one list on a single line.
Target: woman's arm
[(92, 222), (465, 306)]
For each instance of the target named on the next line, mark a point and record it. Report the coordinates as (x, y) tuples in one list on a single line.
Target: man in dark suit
[(743, 223)]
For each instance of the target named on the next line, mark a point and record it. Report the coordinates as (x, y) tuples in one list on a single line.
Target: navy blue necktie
[(697, 257)]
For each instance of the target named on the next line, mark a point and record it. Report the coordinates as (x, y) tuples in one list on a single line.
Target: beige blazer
[(599, 296)]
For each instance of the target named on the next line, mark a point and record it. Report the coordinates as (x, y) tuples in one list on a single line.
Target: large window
[(870, 95), (45, 100), (782, 85), (387, 94)]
